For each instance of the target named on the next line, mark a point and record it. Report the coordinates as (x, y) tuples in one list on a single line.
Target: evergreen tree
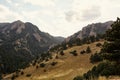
[(92, 38), (111, 49), (88, 50), (78, 41), (95, 58), (78, 78), (61, 53), (0, 76), (110, 53)]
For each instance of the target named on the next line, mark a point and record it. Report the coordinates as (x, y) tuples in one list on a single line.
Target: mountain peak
[(18, 25), (18, 21)]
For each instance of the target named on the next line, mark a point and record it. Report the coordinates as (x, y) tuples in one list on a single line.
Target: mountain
[(91, 30), (24, 35), (20, 42)]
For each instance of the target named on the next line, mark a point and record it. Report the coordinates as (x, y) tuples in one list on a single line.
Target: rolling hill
[(67, 67)]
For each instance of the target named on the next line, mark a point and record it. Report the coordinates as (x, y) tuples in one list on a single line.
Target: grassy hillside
[(67, 67)]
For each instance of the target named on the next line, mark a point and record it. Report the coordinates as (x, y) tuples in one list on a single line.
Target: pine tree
[(88, 50), (0, 76), (111, 49)]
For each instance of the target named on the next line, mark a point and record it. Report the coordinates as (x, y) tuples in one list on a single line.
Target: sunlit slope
[(68, 66)]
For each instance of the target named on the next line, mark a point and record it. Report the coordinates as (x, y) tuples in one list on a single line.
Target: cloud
[(91, 13), (8, 15), (59, 17), (88, 14), (9, 1), (69, 15), (42, 3)]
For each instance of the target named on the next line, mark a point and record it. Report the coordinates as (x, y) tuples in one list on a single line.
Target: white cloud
[(42, 3), (87, 14), (8, 15), (91, 13), (9, 1), (60, 17)]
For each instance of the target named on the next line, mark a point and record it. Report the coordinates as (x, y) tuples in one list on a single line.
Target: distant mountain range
[(20, 42), (91, 30)]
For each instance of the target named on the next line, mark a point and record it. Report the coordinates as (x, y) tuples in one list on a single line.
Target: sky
[(59, 17)]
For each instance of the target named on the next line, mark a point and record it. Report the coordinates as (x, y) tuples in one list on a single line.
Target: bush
[(74, 53), (22, 73), (82, 52), (103, 69), (46, 59), (53, 63), (28, 75), (13, 77), (44, 70), (42, 65), (98, 45), (0, 76), (56, 57), (61, 53), (78, 78), (88, 50), (34, 63), (37, 67), (95, 58)]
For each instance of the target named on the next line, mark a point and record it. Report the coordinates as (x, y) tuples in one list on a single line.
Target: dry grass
[(67, 68), (110, 78)]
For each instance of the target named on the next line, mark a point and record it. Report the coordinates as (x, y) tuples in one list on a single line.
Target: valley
[(26, 53)]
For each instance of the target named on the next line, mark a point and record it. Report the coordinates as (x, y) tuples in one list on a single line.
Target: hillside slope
[(68, 66)]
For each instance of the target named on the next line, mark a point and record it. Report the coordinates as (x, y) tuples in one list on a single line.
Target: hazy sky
[(59, 17)]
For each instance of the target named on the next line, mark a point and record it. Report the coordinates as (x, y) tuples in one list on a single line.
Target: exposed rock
[(91, 30)]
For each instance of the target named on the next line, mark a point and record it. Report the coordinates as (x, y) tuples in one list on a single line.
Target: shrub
[(22, 73), (56, 57), (82, 52), (13, 77), (95, 58), (42, 65), (28, 75), (61, 53), (46, 59), (44, 70), (103, 69), (37, 67), (78, 78), (53, 63), (88, 50), (74, 53), (34, 63), (98, 44), (50, 57), (0, 76)]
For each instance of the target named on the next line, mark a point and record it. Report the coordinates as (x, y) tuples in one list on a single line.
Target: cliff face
[(91, 30)]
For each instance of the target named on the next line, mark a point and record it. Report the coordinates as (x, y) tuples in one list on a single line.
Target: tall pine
[(110, 54), (111, 49)]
